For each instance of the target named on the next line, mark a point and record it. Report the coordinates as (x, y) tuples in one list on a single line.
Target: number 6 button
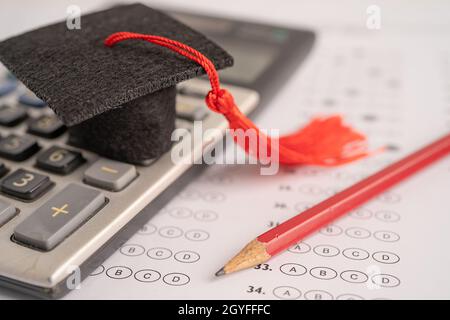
[(25, 184), (59, 160)]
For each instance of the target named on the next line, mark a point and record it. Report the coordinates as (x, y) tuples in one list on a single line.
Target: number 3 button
[(26, 185)]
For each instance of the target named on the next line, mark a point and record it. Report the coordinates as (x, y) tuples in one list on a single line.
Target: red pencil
[(293, 230)]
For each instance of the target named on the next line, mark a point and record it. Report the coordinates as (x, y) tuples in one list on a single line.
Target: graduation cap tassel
[(323, 141)]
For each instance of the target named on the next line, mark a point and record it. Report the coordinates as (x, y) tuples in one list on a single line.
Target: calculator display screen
[(265, 55), (250, 60)]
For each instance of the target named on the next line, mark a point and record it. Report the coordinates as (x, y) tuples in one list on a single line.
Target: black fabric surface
[(79, 77), (137, 131), (120, 101)]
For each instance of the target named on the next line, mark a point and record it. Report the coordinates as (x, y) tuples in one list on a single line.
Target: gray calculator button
[(190, 111), (26, 185), (109, 174), (56, 219), (47, 126), (11, 116), (18, 148), (6, 212)]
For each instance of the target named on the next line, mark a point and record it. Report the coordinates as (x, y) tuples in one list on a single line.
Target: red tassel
[(324, 141)]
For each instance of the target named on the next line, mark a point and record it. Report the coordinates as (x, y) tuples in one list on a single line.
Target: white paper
[(395, 89)]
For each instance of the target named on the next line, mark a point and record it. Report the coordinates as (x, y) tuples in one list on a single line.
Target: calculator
[(100, 203)]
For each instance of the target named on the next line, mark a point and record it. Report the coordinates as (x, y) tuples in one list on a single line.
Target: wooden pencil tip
[(221, 272)]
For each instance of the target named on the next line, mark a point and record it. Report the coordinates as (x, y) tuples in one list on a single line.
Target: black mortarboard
[(117, 102)]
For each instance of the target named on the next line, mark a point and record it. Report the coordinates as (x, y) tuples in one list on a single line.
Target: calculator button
[(11, 116), (29, 99), (6, 212), (7, 86), (191, 92), (56, 219), (190, 111), (25, 184), (110, 175), (47, 126), (59, 160), (3, 169), (18, 148)]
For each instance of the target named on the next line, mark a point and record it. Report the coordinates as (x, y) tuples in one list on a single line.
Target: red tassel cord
[(325, 141)]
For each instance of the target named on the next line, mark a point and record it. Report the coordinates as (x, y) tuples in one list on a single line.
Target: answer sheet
[(392, 247), (392, 86)]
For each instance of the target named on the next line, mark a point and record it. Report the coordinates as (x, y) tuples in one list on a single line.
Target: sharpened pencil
[(297, 228)]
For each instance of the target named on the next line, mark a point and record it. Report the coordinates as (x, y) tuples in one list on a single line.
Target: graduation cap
[(118, 103)]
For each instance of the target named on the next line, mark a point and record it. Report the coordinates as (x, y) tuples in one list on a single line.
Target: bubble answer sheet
[(393, 87)]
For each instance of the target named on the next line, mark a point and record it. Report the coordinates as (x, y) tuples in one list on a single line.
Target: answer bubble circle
[(355, 254), (331, 230), (205, 215), (326, 250), (147, 275), (147, 229), (361, 213), (132, 250), (387, 216), (389, 198), (170, 232), (187, 256), (318, 295), (197, 235), (213, 196), (288, 267), (180, 213), (386, 236), (349, 296), (385, 280), (176, 279), (385, 257), (119, 272), (159, 253), (287, 293), (99, 270), (354, 276), (323, 273), (300, 247), (189, 194), (357, 233)]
